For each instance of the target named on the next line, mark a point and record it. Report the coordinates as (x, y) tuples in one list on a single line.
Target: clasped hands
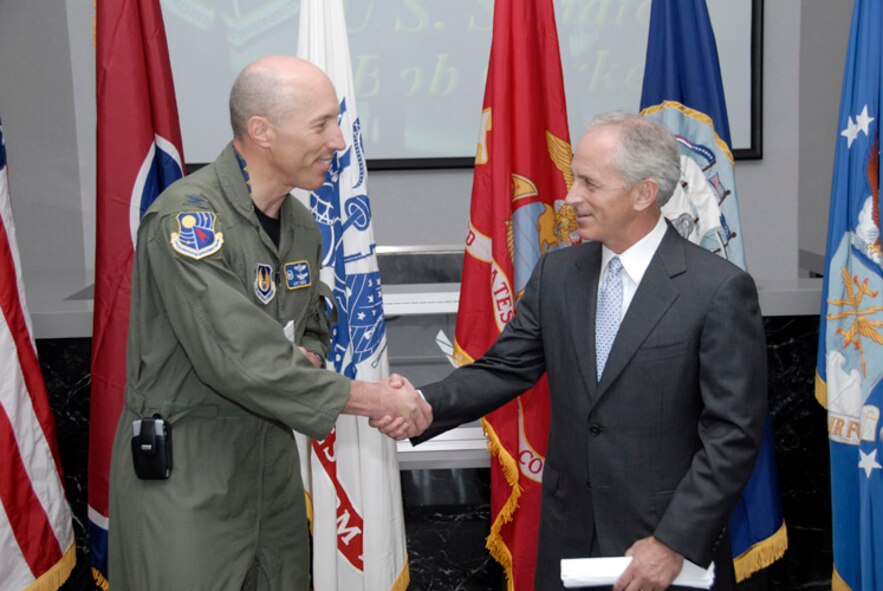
[(403, 413)]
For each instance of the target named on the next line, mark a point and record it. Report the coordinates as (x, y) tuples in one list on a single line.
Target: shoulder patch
[(196, 237), (297, 275), (264, 286)]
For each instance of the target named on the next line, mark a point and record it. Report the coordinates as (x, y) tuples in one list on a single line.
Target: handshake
[(393, 406)]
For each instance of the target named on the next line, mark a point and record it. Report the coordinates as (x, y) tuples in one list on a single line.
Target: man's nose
[(337, 141)]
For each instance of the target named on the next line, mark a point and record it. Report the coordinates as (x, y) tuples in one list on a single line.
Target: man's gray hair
[(647, 151), (258, 91)]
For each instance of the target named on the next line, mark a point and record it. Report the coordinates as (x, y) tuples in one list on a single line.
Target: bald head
[(273, 87)]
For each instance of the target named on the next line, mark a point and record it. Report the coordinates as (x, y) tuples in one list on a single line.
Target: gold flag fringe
[(55, 577), (309, 502), (821, 391), (404, 579), (100, 581), (837, 583), (495, 543), (762, 554)]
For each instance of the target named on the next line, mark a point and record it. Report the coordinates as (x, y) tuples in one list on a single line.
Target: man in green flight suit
[(227, 337)]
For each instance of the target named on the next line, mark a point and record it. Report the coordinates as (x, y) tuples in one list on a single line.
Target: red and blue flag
[(138, 155)]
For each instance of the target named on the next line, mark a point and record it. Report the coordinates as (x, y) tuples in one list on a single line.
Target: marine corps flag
[(139, 154), (683, 90), (352, 476), (849, 382), (37, 548), (522, 174)]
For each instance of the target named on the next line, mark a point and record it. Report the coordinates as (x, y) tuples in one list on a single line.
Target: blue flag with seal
[(352, 476), (849, 379), (683, 90)]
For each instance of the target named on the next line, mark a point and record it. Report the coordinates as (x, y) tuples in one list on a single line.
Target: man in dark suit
[(651, 442)]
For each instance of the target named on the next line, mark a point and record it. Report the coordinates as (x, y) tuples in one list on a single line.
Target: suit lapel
[(581, 293), (654, 297)]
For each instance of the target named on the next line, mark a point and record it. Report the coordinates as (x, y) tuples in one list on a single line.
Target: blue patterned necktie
[(609, 314)]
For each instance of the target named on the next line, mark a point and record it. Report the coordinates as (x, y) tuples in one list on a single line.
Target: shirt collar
[(637, 257), (243, 167)]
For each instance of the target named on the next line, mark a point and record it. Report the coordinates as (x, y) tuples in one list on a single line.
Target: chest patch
[(264, 286), (297, 275), (196, 237)]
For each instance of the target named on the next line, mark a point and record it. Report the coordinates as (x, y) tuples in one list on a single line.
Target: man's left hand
[(653, 567), (314, 359)]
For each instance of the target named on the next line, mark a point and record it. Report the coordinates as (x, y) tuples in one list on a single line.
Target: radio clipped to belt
[(152, 447)]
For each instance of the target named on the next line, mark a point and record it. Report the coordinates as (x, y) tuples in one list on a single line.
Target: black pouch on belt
[(152, 448)]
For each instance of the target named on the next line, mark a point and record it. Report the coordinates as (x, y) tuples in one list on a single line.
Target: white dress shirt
[(635, 261)]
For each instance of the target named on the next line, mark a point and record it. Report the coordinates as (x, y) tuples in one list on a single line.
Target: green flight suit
[(211, 294)]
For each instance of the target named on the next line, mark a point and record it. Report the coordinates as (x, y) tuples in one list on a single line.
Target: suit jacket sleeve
[(733, 386), (511, 366)]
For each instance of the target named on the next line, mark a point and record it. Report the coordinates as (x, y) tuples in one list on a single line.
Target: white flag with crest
[(352, 476)]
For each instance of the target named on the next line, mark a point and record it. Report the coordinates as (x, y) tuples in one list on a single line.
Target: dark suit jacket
[(664, 444)]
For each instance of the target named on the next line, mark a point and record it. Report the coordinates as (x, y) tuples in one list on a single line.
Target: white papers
[(593, 572)]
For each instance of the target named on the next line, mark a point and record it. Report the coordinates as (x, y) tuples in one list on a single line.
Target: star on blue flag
[(850, 360)]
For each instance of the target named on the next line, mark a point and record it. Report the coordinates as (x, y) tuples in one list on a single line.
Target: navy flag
[(849, 381), (683, 91)]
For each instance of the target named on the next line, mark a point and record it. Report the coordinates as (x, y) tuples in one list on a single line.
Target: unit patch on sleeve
[(196, 237), (264, 286), (297, 275)]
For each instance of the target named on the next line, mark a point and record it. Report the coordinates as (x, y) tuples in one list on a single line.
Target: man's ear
[(646, 191), (259, 130)]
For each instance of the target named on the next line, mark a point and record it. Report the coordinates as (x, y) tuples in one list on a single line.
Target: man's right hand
[(393, 405), (394, 424)]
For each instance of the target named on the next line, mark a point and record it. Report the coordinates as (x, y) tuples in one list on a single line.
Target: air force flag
[(849, 380)]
